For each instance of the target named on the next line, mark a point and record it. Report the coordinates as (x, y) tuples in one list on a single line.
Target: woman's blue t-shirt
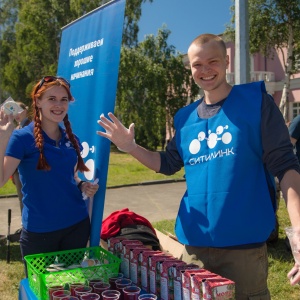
[(51, 199)]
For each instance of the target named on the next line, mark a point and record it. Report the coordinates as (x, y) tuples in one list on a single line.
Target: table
[(25, 292)]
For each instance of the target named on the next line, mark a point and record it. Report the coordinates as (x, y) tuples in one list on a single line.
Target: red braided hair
[(37, 92), (80, 164)]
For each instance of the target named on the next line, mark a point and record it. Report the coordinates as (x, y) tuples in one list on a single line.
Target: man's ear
[(227, 61)]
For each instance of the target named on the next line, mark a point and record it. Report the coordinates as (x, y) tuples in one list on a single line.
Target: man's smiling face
[(208, 65)]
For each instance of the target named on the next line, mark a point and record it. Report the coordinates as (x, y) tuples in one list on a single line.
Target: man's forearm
[(290, 187), (150, 159)]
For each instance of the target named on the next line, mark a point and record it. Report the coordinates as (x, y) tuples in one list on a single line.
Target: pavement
[(155, 201)]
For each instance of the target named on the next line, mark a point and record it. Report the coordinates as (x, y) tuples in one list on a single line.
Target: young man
[(231, 144)]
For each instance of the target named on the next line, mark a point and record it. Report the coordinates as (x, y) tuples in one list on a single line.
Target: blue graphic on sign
[(89, 58)]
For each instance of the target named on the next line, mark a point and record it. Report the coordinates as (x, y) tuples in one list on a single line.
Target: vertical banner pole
[(89, 58)]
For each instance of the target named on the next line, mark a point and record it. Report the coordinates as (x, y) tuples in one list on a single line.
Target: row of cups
[(105, 295), (118, 288)]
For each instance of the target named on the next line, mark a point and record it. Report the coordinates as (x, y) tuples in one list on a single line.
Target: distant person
[(231, 143), (294, 131), (22, 119), (55, 216)]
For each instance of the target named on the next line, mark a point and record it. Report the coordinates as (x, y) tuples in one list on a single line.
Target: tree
[(153, 81), (275, 24), (133, 14), (153, 84), (31, 33), (8, 18), (36, 46)]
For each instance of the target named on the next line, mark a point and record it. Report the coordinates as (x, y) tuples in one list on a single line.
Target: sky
[(186, 19)]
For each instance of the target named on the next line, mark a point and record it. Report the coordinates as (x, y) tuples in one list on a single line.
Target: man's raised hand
[(117, 133)]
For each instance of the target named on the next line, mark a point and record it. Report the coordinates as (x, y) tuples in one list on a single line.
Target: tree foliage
[(31, 33), (153, 85), (153, 82), (8, 18), (275, 24), (133, 14)]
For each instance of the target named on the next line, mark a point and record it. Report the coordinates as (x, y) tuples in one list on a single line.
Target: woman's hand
[(117, 133), (6, 124), (89, 188)]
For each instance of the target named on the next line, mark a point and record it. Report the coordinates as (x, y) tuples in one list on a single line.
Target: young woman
[(55, 216)]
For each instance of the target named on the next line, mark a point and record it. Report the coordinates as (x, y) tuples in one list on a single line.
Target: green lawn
[(280, 262), (8, 189), (123, 169)]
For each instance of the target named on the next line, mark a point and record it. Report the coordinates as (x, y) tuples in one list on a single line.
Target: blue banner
[(89, 58)]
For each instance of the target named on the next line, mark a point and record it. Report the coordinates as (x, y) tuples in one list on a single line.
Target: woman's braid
[(80, 165), (39, 141)]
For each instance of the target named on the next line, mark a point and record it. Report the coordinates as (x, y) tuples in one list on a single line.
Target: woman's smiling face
[(53, 104)]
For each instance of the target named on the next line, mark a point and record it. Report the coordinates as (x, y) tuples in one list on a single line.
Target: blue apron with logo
[(227, 202)]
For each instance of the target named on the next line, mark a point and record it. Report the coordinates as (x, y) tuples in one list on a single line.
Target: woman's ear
[(37, 102)]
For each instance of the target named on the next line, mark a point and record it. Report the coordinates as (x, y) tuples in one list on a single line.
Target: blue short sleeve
[(15, 147)]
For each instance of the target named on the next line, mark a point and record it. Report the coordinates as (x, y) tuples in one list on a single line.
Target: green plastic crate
[(39, 278)]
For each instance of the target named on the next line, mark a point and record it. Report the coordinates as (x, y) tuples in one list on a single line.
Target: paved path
[(155, 202)]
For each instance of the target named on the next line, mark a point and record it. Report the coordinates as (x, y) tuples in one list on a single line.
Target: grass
[(280, 260), (12, 273), (123, 169), (8, 189)]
